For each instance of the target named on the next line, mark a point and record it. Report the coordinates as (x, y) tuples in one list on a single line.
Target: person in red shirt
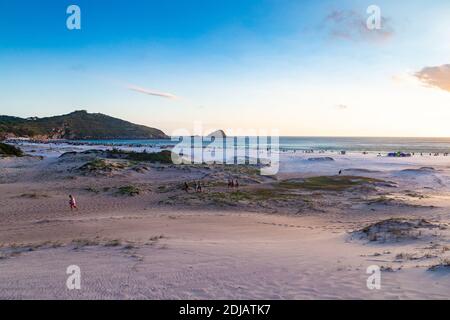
[(72, 203)]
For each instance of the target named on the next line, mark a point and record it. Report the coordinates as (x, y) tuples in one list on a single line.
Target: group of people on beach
[(233, 183), (197, 186), (436, 154), (379, 154)]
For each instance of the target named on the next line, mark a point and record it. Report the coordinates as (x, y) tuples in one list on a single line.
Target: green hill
[(78, 125)]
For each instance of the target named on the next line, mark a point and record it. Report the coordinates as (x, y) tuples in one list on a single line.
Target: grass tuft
[(328, 183), (130, 191)]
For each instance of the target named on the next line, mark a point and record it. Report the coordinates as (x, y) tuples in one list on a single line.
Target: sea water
[(426, 145)]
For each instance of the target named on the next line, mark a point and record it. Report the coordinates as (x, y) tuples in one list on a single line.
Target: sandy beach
[(225, 150), (306, 233)]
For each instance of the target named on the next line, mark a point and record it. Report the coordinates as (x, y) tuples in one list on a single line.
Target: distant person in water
[(72, 203)]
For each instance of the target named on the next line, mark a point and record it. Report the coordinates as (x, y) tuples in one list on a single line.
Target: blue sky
[(303, 67)]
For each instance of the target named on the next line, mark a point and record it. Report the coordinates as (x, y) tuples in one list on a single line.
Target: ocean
[(426, 145)]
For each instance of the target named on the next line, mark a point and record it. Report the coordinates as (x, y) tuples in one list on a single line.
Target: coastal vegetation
[(78, 125), (9, 150), (130, 191), (164, 156), (397, 229), (328, 183), (101, 166)]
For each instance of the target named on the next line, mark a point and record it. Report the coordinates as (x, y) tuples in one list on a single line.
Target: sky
[(304, 68)]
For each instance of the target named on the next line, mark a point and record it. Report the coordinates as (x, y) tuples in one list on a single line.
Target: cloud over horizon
[(152, 92), (351, 25), (437, 77)]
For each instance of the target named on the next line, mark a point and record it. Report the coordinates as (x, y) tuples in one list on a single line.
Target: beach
[(305, 233)]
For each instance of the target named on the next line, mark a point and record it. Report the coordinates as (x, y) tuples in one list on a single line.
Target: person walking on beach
[(186, 187), (200, 187), (195, 186), (72, 203)]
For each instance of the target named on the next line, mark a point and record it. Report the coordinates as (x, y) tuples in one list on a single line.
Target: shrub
[(9, 150), (130, 191), (164, 156)]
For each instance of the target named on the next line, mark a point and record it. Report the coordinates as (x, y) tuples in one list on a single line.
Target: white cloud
[(152, 92), (437, 77)]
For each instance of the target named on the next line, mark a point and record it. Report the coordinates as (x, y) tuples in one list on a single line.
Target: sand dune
[(138, 235)]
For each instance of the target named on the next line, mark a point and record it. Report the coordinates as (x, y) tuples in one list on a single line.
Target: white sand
[(219, 257), (215, 253)]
